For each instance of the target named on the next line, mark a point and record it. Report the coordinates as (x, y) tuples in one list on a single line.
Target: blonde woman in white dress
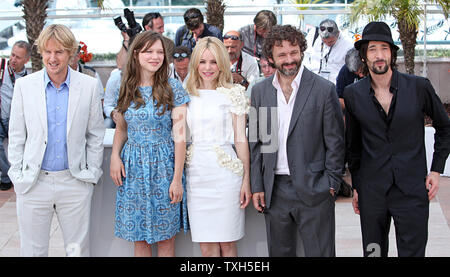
[(218, 177)]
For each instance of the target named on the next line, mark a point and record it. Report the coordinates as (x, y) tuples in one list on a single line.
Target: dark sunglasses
[(190, 16), (180, 55), (231, 37), (329, 29)]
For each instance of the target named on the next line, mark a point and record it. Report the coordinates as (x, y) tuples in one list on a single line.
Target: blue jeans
[(4, 164)]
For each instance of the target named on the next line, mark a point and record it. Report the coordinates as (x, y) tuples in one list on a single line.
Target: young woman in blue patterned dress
[(147, 160)]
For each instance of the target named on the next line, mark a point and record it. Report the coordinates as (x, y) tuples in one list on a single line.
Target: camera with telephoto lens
[(134, 27)]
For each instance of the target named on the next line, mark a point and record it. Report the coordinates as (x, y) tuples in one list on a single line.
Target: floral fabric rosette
[(225, 160), (240, 102)]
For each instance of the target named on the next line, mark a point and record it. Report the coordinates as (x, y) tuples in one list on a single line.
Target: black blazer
[(382, 154)]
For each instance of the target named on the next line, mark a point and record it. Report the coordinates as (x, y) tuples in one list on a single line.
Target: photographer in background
[(127, 34), (253, 35), (180, 67), (154, 22), (243, 66), (326, 56), (10, 71), (351, 72), (194, 29), (114, 80)]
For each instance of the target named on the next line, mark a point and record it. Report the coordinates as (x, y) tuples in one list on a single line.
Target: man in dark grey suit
[(297, 149)]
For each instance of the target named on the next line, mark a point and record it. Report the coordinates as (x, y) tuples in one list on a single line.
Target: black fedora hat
[(376, 31)]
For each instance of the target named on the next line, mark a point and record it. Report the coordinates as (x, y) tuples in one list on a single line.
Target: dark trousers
[(410, 215), (289, 218)]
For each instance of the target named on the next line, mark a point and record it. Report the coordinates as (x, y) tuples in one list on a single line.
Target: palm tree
[(35, 13), (215, 10), (407, 13)]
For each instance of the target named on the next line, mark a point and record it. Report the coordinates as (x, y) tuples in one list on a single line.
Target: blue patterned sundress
[(143, 209)]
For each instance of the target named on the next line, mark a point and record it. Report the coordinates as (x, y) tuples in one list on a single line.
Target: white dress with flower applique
[(213, 171)]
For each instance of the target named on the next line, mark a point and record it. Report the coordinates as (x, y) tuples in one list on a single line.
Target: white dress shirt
[(284, 113)]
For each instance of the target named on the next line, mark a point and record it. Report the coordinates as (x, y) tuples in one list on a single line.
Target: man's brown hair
[(278, 34)]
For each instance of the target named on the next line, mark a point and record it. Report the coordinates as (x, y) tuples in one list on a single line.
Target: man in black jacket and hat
[(385, 143)]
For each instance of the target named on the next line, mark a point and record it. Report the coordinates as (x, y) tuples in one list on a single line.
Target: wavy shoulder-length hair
[(131, 79), (217, 48)]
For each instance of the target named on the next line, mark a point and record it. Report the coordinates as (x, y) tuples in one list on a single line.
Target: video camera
[(134, 27)]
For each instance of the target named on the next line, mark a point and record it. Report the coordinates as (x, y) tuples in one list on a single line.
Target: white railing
[(281, 10), (140, 11)]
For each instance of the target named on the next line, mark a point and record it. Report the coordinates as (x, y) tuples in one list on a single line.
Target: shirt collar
[(393, 86), (21, 73), (47, 79), (394, 81)]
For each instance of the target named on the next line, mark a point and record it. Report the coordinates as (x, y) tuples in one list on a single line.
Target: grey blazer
[(315, 143), (28, 132)]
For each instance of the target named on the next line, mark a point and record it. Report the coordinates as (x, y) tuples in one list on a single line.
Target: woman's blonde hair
[(61, 34), (217, 48)]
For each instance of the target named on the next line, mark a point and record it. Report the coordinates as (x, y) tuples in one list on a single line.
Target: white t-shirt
[(323, 60)]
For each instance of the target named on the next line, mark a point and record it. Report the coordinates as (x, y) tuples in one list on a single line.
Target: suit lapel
[(303, 93), (271, 96), (41, 101), (270, 102), (74, 97)]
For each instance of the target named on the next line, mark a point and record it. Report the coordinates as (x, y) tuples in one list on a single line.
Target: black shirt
[(393, 89)]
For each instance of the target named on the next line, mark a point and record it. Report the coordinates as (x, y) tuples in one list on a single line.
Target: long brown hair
[(129, 89)]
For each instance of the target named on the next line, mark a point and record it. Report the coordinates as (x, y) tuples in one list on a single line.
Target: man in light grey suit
[(296, 135), (55, 147)]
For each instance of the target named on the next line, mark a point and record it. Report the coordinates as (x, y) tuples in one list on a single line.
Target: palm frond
[(445, 5)]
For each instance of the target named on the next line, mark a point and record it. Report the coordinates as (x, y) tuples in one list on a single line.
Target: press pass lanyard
[(326, 56)]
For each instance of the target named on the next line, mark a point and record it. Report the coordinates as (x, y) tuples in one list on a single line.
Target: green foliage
[(434, 53), (377, 10), (411, 11)]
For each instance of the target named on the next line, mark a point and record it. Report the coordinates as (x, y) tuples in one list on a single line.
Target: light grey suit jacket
[(315, 143), (28, 130)]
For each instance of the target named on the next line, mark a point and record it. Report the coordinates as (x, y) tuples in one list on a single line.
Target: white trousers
[(55, 192)]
